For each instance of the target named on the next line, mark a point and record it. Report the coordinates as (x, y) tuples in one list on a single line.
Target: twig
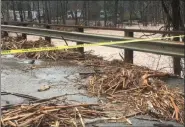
[(121, 56), (30, 120), (176, 108), (146, 76), (2, 122), (32, 107), (74, 122), (40, 122), (14, 111), (133, 114), (52, 98), (54, 116), (15, 117), (69, 106), (158, 62), (27, 116), (83, 125), (11, 123), (64, 40), (111, 86), (116, 86)]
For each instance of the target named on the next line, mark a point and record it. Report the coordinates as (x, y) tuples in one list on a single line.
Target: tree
[(13, 7), (85, 12), (38, 11), (121, 8), (63, 12), (105, 13), (115, 12), (47, 13), (29, 11), (20, 9)]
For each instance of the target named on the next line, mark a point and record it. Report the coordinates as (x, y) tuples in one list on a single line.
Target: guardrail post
[(176, 63), (128, 54), (81, 50), (24, 36), (48, 38), (5, 34)]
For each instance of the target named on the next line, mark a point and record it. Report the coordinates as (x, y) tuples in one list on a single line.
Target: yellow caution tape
[(6, 52)]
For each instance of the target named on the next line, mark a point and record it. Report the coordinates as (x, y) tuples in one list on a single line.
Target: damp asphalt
[(63, 78)]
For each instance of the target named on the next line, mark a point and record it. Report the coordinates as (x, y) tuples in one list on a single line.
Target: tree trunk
[(130, 11), (20, 11), (38, 11), (66, 8), (88, 11), (14, 14), (63, 12), (57, 12), (29, 11), (7, 11), (47, 13), (122, 12), (105, 13), (44, 12), (115, 12), (50, 17), (175, 14), (76, 18), (85, 13)]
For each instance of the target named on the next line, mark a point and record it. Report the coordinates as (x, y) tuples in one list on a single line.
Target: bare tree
[(115, 12), (7, 11), (57, 15), (29, 11), (131, 11), (38, 11), (13, 7), (85, 12), (20, 9), (63, 12), (47, 13), (121, 8), (105, 13)]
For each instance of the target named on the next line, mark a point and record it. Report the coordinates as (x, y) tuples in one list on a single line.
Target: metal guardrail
[(95, 27), (159, 47)]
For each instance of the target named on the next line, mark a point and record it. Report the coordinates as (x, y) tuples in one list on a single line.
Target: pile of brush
[(49, 115), (9, 43), (132, 89)]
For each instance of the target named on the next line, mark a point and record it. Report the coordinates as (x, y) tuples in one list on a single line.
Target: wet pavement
[(63, 78)]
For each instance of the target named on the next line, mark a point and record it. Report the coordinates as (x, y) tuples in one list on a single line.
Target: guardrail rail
[(163, 47)]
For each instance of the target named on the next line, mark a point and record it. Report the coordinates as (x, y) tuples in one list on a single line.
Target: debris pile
[(9, 43), (49, 115), (132, 89)]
